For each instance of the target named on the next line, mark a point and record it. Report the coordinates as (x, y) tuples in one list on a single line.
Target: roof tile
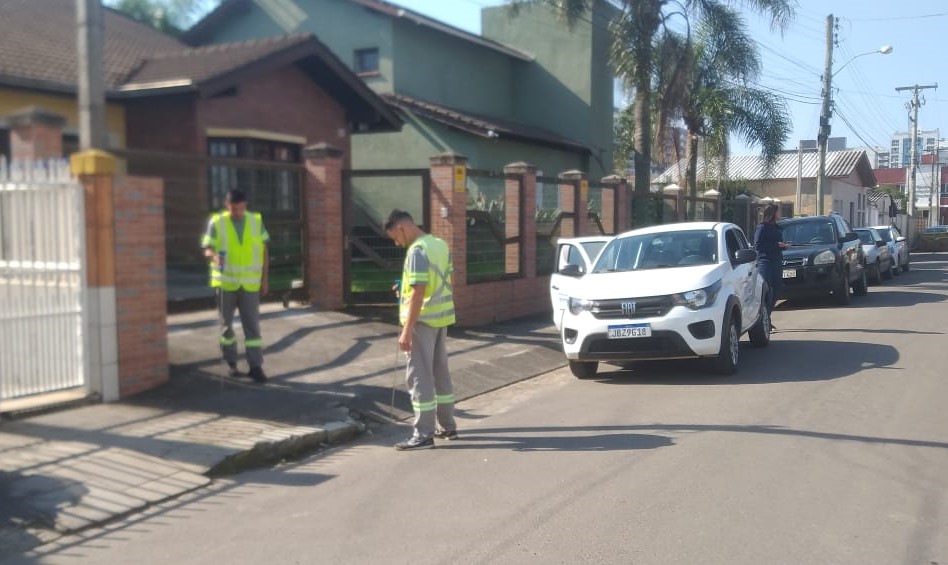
[(38, 43)]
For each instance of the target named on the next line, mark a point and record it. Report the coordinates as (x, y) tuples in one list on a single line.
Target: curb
[(294, 443), (29, 532)]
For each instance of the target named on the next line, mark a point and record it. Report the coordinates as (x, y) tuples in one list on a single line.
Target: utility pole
[(798, 202), (91, 76), (823, 136), (913, 107), (931, 192)]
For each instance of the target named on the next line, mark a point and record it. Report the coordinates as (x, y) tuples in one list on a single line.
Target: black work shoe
[(415, 442), (233, 372), (449, 435), (258, 376)]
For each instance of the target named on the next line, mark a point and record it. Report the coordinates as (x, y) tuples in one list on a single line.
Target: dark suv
[(825, 256)]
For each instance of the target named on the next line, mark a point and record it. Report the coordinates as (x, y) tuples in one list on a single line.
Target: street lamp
[(884, 50), (825, 114)]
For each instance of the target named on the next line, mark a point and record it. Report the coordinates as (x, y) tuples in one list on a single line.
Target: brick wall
[(165, 123), (283, 101), (323, 218), (140, 284)]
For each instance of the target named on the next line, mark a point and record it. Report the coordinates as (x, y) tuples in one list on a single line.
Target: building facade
[(526, 87), (900, 149)]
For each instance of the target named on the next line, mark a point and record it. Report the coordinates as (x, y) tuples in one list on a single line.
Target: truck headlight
[(697, 299), (825, 258), (577, 305)]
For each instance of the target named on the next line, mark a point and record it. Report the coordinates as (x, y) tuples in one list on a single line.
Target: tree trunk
[(691, 174), (647, 19)]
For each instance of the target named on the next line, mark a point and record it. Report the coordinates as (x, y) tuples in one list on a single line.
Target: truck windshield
[(659, 251)]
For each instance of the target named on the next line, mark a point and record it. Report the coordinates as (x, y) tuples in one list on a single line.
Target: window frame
[(358, 60)]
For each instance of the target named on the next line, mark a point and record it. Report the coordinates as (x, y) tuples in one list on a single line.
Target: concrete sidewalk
[(330, 374)]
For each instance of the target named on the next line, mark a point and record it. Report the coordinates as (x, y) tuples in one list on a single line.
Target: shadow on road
[(779, 363), (595, 442), (878, 297), (625, 430)]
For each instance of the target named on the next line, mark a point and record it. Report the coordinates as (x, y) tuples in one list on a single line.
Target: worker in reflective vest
[(236, 246), (426, 309)]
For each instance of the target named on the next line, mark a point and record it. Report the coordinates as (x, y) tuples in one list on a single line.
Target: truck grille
[(649, 307), (795, 262)]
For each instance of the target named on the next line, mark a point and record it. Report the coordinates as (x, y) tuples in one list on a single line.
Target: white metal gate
[(42, 280)]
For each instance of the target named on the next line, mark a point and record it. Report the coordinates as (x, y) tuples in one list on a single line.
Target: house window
[(367, 61), (269, 186)]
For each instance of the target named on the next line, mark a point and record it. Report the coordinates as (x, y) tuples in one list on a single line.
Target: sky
[(863, 88)]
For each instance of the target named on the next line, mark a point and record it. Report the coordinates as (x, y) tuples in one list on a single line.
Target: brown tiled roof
[(482, 125), (206, 63), (38, 50), (890, 176), (38, 44)]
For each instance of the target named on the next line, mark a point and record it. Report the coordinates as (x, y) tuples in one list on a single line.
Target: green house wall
[(562, 91)]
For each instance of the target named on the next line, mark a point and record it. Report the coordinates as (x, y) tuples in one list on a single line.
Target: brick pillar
[(140, 284), (622, 206), (448, 202), (36, 133), (528, 180), (581, 203), (323, 217), (126, 274), (96, 170), (449, 207)]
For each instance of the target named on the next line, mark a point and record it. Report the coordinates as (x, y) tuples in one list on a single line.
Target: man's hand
[(213, 257), (404, 340), (264, 287)]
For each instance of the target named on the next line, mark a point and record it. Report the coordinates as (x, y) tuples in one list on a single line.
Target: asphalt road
[(830, 446)]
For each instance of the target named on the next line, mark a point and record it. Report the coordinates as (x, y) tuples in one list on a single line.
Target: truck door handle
[(555, 287)]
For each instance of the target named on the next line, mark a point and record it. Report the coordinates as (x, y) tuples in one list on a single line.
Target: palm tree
[(635, 30), (719, 100)]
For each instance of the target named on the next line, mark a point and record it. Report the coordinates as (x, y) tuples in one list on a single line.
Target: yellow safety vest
[(243, 257), (437, 310)]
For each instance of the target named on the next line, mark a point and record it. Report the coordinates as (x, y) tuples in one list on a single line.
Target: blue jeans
[(772, 272)]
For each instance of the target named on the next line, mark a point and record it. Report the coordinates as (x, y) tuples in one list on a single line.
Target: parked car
[(686, 290), (898, 246), (825, 256), (879, 259), (578, 252)]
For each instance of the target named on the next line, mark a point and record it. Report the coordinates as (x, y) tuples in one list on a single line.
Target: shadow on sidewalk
[(29, 503)]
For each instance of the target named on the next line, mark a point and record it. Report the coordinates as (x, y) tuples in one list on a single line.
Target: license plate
[(789, 273), (630, 330)]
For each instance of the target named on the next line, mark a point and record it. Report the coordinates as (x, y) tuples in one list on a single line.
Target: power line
[(893, 18)]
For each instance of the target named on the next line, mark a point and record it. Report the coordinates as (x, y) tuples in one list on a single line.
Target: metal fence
[(42, 280), (552, 222), (603, 208), (494, 226), (372, 261), (195, 186)]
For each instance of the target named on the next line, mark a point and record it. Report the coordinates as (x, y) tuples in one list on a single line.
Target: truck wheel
[(583, 369), (729, 354), (861, 287), (842, 293), (760, 332)]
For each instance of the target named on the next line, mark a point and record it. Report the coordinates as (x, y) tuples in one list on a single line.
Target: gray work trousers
[(429, 381), (248, 304)]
